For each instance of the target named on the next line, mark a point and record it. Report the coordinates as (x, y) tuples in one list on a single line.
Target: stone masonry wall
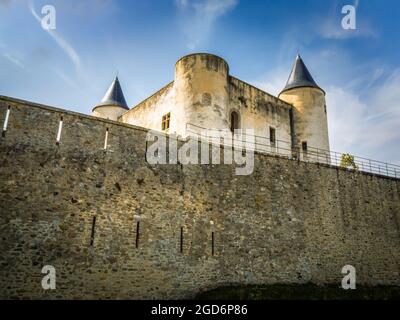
[(288, 222), (260, 111), (149, 112)]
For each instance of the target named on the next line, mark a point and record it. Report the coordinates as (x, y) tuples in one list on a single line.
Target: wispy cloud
[(387, 97), (11, 57), (67, 79), (200, 16), (367, 125), (14, 60), (62, 43), (274, 81), (330, 27), (96, 8), (377, 74)]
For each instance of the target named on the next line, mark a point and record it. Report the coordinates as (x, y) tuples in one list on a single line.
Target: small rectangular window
[(304, 146), (272, 135), (165, 121)]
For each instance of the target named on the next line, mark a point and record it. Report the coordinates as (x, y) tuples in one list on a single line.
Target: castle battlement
[(115, 226)]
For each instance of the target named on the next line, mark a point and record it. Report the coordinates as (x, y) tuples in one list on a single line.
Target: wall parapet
[(377, 168), (15, 101)]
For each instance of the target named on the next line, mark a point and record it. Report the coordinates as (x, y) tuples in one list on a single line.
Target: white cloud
[(62, 43), (367, 126), (200, 16), (362, 122), (345, 114)]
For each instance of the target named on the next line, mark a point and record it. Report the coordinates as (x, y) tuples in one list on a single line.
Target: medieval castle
[(78, 194), (205, 96)]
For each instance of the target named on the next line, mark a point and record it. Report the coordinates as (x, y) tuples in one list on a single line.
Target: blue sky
[(72, 66)]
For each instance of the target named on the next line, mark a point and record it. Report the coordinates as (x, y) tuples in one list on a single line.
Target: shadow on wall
[(307, 291)]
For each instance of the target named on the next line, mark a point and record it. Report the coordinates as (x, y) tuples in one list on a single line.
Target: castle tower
[(201, 89), (310, 122), (113, 104)]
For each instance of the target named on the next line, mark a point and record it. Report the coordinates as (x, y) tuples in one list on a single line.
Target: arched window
[(234, 121)]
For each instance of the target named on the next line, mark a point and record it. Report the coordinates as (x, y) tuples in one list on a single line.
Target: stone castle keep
[(115, 226)]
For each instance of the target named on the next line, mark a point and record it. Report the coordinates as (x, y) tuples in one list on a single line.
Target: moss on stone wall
[(301, 292)]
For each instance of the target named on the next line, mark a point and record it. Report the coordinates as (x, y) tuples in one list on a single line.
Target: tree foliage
[(347, 161)]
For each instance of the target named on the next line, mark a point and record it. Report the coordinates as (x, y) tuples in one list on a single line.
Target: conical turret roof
[(300, 76), (114, 96)]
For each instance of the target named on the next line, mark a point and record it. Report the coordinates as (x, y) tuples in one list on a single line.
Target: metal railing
[(284, 148)]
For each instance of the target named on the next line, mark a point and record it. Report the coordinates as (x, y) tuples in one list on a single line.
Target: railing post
[(387, 170), (370, 166)]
